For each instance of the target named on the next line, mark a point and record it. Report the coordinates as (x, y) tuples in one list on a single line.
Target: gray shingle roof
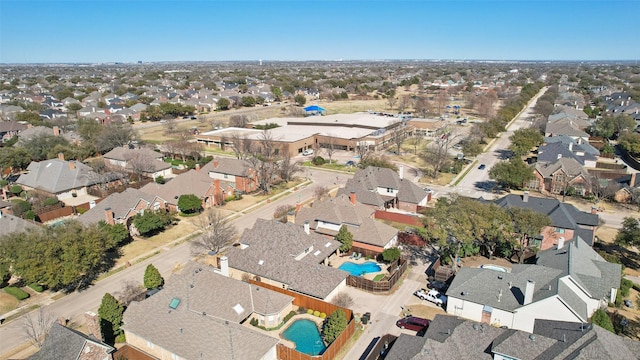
[(357, 217), (227, 166), (56, 176), (124, 153), (65, 343), (191, 182), (204, 324), (122, 204), (270, 248), (550, 152), (504, 290), (10, 224), (365, 183)]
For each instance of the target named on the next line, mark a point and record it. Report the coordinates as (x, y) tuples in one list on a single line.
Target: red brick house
[(237, 174), (554, 178)]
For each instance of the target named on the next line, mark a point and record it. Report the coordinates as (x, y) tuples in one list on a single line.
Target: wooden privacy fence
[(308, 302), (397, 217), (396, 269), (54, 214)]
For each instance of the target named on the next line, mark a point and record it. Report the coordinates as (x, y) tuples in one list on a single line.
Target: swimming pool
[(360, 269), (493, 267), (305, 334)]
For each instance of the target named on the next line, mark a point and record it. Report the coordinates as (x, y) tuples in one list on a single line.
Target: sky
[(97, 31)]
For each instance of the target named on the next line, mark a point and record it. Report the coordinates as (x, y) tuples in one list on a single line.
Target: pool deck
[(278, 333), (336, 261)]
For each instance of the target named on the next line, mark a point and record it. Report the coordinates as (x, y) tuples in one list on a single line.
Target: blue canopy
[(314, 108)]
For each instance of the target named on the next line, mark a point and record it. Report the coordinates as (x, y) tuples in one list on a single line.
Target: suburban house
[(142, 161), (569, 282), (553, 151), (567, 222), (118, 208), (287, 256), (566, 126), (65, 343), (9, 129), (325, 217), (60, 178), (200, 314), (236, 174), (383, 188), (559, 176), (194, 182), (449, 337), (10, 224)]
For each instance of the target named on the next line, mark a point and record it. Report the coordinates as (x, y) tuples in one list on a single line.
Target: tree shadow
[(414, 253), (623, 256), (504, 154)]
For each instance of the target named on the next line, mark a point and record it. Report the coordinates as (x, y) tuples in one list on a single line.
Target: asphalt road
[(74, 305)]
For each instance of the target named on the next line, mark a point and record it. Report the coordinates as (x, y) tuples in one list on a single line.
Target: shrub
[(30, 215), (323, 315), (20, 207), (318, 160), (160, 179), (316, 313), (3, 183), (121, 338), (16, 292), (602, 319), (625, 285), (253, 322), (289, 316), (36, 287), (50, 201), (15, 189), (309, 311), (301, 310)]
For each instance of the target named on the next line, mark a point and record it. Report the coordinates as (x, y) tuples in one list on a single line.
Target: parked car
[(432, 295), (350, 163), (482, 166), (413, 323), (307, 152), (437, 285)]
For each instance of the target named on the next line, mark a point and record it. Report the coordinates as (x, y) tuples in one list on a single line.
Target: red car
[(413, 323)]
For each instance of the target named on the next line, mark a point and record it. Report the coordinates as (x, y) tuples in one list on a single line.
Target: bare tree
[(140, 165), (437, 153), (330, 147), (217, 232), (398, 134), (130, 291), (320, 192), (363, 150), (36, 326), (415, 141), (170, 126), (404, 103), (263, 159), (391, 100), (423, 106), (238, 144), (286, 167), (343, 300), (238, 121), (442, 99)]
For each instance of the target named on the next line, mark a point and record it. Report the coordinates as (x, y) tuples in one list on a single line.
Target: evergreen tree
[(336, 323), (110, 313), (345, 238), (152, 277)]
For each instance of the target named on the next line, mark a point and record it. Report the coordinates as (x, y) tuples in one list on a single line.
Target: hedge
[(16, 292), (36, 287)]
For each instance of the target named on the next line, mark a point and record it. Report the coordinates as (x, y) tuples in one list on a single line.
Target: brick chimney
[(108, 213), (594, 210), (72, 165), (93, 324), (215, 163), (352, 197), (525, 196), (56, 131), (61, 156), (197, 167)]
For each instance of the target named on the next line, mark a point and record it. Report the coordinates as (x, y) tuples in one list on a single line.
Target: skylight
[(327, 244), (261, 262), (174, 303), (317, 253), (238, 309)]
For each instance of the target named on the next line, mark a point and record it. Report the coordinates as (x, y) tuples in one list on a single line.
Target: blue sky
[(215, 30)]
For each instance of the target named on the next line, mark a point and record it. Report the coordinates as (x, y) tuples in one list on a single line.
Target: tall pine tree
[(152, 277)]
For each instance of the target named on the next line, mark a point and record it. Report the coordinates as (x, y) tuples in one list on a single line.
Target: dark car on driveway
[(413, 323), (482, 166)]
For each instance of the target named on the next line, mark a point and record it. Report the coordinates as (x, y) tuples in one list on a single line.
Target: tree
[(629, 234), (602, 319), (523, 140), (152, 277), (320, 192), (238, 120), (391, 254), (263, 159), (217, 232), (277, 93), (114, 135), (36, 326), (149, 222), (130, 291), (248, 101), (630, 142), (140, 165), (345, 238), (527, 224), (330, 146), (336, 323), (415, 141), (41, 146), (286, 167), (391, 100), (472, 147), (110, 314), (613, 126), (437, 153), (189, 203), (513, 173), (16, 158), (300, 100), (423, 106), (343, 300), (223, 104), (398, 134), (31, 117)]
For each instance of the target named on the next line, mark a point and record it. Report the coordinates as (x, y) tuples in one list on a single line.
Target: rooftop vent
[(238, 309), (532, 337), (174, 303), (261, 262)]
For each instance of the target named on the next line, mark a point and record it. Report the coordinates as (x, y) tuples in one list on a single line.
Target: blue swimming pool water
[(305, 334), (360, 269)]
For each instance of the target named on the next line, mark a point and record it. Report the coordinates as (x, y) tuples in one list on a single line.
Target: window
[(560, 230), (389, 190), (226, 176)]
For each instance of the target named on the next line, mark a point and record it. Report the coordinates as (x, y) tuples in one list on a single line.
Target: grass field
[(7, 302)]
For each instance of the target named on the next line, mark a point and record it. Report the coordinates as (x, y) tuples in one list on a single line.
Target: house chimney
[(401, 172), (224, 266), (352, 197), (109, 216), (56, 131), (72, 165), (215, 163), (528, 292), (560, 242), (306, 227), (197, 167), (298, 207), (93, 324), (525, 196), (571, 146), (559, 156), (61, 156), (594, 210)]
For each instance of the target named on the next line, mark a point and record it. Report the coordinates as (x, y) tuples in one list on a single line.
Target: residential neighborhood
[(184, 211)]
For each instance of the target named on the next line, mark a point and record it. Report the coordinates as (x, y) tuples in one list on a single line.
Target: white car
[(307, 152), (432, 295)]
